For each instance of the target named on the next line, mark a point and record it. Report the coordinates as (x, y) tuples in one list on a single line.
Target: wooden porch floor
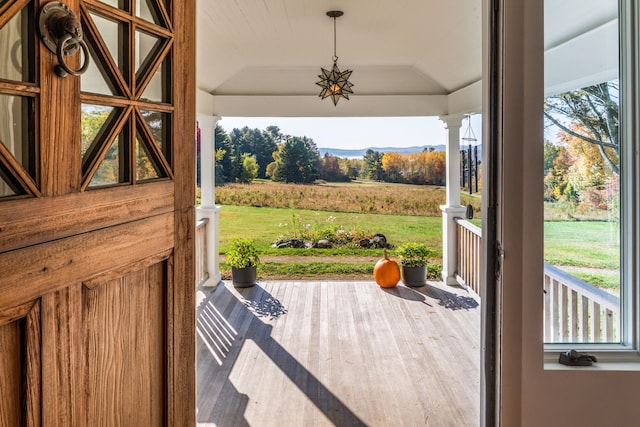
[(338, 353)]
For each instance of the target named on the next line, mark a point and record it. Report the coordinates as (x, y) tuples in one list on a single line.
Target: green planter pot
[(414, 276), (244, 277)]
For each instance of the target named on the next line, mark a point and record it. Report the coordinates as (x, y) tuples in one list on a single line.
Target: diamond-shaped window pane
[(16, 38), (113, 34), (145, 169), (95, 79), (157, 89), (108, 172), (92, 122), (5, 188), (115, 3), (147, 11), (158, 124), (146, 46), (16, 130)]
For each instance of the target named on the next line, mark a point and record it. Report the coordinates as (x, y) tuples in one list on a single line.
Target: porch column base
[(213, 258), (449, 243)]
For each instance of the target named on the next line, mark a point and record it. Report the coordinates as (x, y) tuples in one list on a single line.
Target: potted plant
[(242, 256), (413, 259)]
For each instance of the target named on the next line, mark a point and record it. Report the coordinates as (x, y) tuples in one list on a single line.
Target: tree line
[(243, 155)]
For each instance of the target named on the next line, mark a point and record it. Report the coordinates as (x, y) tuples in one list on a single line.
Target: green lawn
[(592, 244), (266, 225), (590, 247)]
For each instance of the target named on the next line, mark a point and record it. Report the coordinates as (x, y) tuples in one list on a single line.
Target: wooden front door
[(97, 218)]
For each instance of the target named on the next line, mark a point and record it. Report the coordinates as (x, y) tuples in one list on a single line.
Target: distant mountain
[(359, 153)]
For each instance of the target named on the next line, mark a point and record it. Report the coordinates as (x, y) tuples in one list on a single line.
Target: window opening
[(582, 168)]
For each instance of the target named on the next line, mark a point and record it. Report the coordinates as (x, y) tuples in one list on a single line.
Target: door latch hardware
[(61, 32)]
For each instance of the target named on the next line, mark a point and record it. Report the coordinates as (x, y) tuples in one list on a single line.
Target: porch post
[(452, 208), (208, 208)]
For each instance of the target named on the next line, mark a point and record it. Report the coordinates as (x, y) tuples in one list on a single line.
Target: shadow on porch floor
[(314, 353)]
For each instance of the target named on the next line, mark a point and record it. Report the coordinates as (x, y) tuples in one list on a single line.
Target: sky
[(358, 132)]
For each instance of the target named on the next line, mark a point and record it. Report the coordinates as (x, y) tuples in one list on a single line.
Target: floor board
[(338, 353)]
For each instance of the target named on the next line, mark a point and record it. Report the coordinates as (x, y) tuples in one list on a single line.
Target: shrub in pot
[(242, 256), (413, 259)]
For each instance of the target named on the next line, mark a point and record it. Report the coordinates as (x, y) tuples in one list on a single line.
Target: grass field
[(593, 244), (356, 197), (268, 224), (588, 249)]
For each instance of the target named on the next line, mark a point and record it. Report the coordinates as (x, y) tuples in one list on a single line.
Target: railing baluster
[(573, 296), (479, 264), (202, 272), (470, 271), (595, 321), (555, 308), (608, 322), (461, 266), (547, 310), (564, 310), (472, 261), (466, 251), (584, 323)]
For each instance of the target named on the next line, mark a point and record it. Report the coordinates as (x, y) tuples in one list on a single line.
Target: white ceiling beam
[(590, 58), (466, 100), (313, 106), (204, 103)]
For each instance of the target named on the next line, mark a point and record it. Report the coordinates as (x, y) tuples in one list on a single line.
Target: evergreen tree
[(223, 156), (296, 161), (372, 165), (260, 144)]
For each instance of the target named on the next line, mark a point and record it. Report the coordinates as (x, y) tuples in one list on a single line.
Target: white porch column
[(208, 208), (452, 208)]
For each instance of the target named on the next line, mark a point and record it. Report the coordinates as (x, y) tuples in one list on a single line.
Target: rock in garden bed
[(289, 243), (378, 241)]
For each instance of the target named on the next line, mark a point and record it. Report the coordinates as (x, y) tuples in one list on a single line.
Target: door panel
[(61, 359), (11, 412), (123, 333), (97, 217), (20, 365)]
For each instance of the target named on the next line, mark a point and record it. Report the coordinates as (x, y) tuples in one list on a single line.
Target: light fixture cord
[(335, 56)]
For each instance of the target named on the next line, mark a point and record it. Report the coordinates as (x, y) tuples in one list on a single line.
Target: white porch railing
[(206, 258), (202, 270), (574, 311), (469, 259)]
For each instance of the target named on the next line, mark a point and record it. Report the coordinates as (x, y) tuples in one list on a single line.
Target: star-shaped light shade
[(335, 84)]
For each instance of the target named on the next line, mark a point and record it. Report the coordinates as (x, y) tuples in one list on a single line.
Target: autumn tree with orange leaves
[(426, 167), (591, 115)]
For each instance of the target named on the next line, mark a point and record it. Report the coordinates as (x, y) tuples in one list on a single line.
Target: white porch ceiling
[(409, 57), (273, 49)]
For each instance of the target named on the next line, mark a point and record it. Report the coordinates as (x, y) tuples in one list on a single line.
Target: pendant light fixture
[(335, 83)]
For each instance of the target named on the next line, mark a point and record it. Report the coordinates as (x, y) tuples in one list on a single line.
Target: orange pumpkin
[(386, 272)]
